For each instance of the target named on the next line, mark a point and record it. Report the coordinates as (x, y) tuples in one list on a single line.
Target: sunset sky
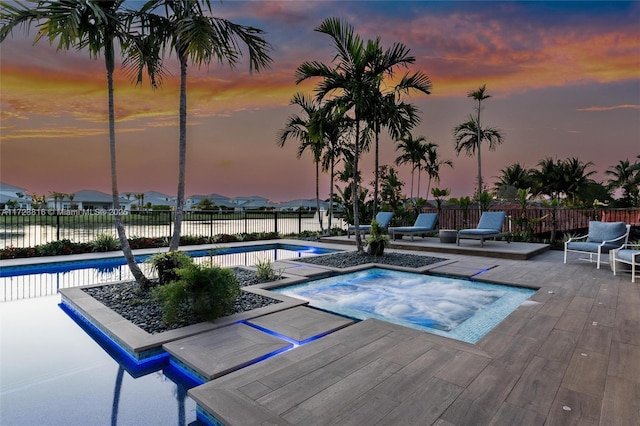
[(564, 79)]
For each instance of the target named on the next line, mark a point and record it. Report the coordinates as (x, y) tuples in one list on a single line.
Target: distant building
[(309, 204), (86, 200), (13, 197), (219, 201)]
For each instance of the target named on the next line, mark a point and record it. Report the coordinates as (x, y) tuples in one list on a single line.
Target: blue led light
[(135, 367)]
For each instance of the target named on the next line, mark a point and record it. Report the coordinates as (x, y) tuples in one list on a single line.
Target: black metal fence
[(28, 228)]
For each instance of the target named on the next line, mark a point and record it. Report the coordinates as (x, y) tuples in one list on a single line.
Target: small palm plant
[(377, 239)]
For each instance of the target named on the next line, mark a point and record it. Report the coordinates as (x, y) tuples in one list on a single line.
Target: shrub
[(167, 264), (55, 248), (265, 271), (147, 242), (206, 292), (191, 240), (105, 242), (377, 239)]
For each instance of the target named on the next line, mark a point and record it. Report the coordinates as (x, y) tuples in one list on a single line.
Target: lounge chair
[(383, 219), (602, 237), (425, 224), (489, 226), (629, 255)]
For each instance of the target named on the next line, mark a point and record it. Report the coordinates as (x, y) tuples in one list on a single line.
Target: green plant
[(377, 239), (168, 263), (105, 242), (265, 271), (206, 292)]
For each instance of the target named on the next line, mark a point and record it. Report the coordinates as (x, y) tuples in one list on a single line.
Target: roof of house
[(92, 195), (5, 187)]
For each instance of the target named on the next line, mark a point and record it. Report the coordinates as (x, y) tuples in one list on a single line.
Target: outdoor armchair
[(489, 226), (383, 219), (602, 237), (627, 254), (425, 224)]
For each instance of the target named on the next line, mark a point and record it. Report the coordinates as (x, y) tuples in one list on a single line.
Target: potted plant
[(377, 239)]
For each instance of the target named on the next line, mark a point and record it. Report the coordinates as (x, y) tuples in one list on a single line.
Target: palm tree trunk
[(479, 154), (182, 154), (331, 194), (356, 219), (377, 172), (413, 172), (419, 179), (122, 236), (318, 196)]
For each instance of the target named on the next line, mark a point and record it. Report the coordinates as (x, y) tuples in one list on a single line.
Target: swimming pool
[(53, 372), (36, 280), (458, 309)]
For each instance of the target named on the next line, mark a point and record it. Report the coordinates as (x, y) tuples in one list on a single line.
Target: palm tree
[(469, 137), (183, 27), (432, 164), (386, 108), (576, 176), (479, 95), (301, 129), (512, 178), (624, 176), (548, 180), (412, 153), (334, 126), (355, 83), (350, 82), (514, 175), (97, 26), (57, 196)]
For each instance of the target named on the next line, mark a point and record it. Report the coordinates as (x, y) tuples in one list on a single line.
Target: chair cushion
[(628, 254), (491, 220), (426, 220), (583, 246), (383, 218), (479, 231), (605, 231), (416, 229)]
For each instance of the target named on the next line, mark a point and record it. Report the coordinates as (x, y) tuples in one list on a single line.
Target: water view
[(21, 282)]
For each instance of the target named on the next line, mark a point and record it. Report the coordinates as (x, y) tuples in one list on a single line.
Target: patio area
[(568, 356)]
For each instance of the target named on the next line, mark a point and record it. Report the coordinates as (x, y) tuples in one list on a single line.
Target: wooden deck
[(569, 356)]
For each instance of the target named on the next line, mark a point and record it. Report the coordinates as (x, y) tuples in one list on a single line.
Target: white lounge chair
[(629, 255), (602, 237), (489, 226), (383, 219), (425, 224)]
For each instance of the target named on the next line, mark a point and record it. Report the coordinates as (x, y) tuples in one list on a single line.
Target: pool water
[(455, 308), (54, 373), (44, 279)]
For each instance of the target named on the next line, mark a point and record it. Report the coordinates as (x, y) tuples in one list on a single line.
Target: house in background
[(296, 205), (254, 202), (219, 201), (13, 197), (157, 199), (86, 199)]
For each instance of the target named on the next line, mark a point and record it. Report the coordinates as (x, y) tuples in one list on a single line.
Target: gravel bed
[(145, 312), (347, 259)]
